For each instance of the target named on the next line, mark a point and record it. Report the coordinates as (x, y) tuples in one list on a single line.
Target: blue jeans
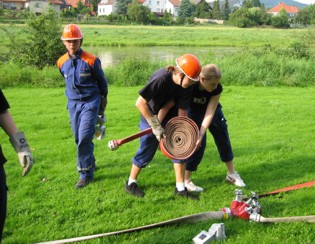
[(219, 130), (83, 117)]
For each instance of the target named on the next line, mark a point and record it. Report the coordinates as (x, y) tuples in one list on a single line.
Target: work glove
[(101, 118), (100, 128), (156, 126), (103, 103), (20, 145)]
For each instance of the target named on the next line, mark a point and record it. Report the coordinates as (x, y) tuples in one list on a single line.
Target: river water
[(111, 56)]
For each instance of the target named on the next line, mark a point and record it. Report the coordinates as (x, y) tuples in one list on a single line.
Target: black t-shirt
[(161, 89), (200, 99), (4, 105)]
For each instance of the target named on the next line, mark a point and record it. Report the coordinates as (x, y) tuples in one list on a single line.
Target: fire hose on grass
[(239, 208), (181, 135)]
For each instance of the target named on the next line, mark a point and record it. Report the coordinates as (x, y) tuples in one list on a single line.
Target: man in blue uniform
[(86, 90)]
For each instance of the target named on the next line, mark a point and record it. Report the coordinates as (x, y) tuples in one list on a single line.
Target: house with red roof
[(15, 4), (40, 6), (35, 6), (106, 7), (291, 11), (161, 6), (74, 3)]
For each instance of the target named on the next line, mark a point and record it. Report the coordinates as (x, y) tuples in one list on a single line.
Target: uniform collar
[(77, 55)]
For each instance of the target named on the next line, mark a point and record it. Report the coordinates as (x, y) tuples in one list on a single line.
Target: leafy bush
[(16, 75), (131, 72), (42, 45)]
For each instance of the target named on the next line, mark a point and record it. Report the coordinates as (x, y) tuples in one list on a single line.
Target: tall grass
[(272, 132), (245, 67)]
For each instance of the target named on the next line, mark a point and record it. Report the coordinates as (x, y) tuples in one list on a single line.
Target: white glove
[(156, 126), (20, 145)]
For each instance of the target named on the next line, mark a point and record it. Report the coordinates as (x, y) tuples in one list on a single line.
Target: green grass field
[(272, 132), (212, 36)]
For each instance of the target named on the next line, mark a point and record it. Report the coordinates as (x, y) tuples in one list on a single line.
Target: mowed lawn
[(272, 131)]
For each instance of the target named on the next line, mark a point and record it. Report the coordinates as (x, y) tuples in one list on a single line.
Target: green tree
[(82, 9), (226, 10), (202, 10), (185, 9), (303, 17), (281, 20), (256, 3), (259, 16), (122, 6), (241, 18), (306, 16), (247, 4), (95, 4), (216, 11), (138, 13), (42, 46)]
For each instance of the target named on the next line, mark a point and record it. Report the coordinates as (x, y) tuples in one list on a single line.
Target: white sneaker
[(192, 187), (235, 179)]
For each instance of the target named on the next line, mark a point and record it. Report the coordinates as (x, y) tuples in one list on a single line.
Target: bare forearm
[(7, 123)]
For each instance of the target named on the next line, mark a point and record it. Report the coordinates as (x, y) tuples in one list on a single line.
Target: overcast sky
[(306, 1)]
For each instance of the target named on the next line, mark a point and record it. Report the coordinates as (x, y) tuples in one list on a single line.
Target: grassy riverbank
[(272, 133), (218, 36)]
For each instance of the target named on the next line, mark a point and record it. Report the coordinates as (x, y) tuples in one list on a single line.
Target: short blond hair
[(210, 71)]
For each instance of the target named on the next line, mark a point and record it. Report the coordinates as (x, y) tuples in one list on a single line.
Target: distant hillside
[(268, 3), (272, 3)]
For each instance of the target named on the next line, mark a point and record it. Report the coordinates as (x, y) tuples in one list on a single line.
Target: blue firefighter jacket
[(83, 75)]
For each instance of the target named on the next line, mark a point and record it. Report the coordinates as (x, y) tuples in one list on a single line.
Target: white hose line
[(309, 219), (185, 219)]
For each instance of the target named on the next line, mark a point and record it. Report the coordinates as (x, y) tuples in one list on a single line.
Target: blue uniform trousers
[(149, 143), (83, 117), (219, 130)]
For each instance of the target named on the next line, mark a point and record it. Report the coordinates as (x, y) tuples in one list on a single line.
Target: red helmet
[(72, 32), (189, 65)]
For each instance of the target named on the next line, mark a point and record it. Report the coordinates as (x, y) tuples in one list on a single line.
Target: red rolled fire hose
[(181, 136)]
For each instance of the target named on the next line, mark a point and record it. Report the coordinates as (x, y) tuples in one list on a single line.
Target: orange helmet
[(72, 32), (189, 65)]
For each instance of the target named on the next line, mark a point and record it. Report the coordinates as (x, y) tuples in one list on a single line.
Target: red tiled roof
[(74, 3), (288, 9), (176, 3), (55, 2), (108, 2)]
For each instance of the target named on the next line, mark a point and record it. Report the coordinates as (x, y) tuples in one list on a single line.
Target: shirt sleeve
[(100, 77), (4, 105)]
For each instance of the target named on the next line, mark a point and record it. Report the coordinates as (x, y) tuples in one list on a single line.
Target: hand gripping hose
[(181, 136)]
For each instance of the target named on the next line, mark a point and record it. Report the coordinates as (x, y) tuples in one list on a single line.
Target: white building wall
[(161, 6), (104, 10)]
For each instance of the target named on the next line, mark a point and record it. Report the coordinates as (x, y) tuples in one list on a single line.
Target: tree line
[(249, 14)]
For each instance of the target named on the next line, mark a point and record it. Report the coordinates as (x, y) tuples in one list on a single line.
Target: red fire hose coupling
[(241, 209)]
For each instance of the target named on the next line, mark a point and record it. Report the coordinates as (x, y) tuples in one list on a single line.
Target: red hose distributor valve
[(242, 209)]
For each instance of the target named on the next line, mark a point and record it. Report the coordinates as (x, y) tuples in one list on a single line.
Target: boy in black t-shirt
[(166, 95), (206, 111)]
